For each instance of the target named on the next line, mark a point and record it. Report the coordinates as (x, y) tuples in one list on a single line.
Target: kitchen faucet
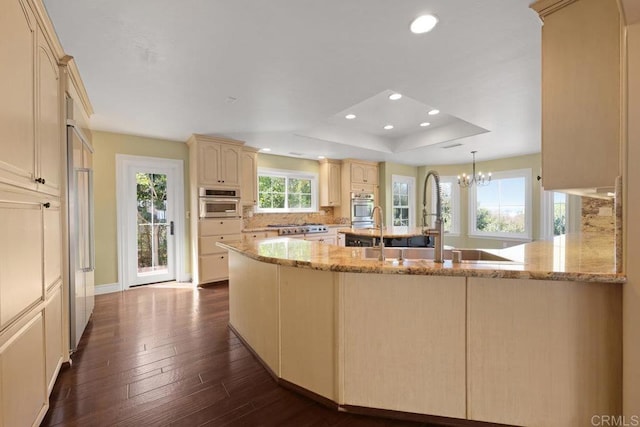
[(373, 215), (438, 231)]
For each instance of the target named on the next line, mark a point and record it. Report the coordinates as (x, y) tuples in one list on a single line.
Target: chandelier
[(479, 179)]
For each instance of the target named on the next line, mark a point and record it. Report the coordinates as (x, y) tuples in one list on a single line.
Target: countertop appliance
[(219, 202), (292, 229), (362, 210)]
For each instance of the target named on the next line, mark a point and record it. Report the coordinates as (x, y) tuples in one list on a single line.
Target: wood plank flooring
[(164, 356)]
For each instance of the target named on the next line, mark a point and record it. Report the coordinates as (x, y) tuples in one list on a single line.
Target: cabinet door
[(249, 190), (358, 173), (52, 245), (330, 181), (371, 174), (214, 267), (581, 95), (229, 165), (23, 396), (17, 142), (20, 258), (208, 163), (53, 335), (49, 128)]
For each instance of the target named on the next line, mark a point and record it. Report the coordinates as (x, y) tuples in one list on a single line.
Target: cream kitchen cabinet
[(213, 260), (330, 182), (21, 282), (54, 348), (23, 393), (30, 119), (364, 173), (581, 93), (218, 161), (248, 236), (249, 190)]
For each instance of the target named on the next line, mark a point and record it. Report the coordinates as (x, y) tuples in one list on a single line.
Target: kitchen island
[(536, 341)]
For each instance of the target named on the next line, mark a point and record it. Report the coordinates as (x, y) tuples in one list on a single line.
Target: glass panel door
[(152, 223)]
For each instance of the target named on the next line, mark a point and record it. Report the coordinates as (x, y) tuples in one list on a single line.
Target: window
[(502, 209), (450, 191), (403, 195), (286, 191), (556, 214), (559, 213)]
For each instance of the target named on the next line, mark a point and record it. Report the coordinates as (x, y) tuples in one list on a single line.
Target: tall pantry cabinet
[(33, 294)]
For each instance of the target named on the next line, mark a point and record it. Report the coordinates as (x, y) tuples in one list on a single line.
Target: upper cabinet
[(249, 191), (218, 161), (330, 182), (364, 173), (358, 176), (48, 135), (17, 85), (581, 93), (30, 113)]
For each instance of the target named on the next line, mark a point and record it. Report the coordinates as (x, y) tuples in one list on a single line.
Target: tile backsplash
[(325, 215)]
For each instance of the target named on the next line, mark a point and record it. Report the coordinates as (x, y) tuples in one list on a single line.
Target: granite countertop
[(391, 232), (585, 257)]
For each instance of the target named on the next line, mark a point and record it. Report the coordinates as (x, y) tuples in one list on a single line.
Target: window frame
[(455, 204), (411, 182), (288, 174), (528, 209)]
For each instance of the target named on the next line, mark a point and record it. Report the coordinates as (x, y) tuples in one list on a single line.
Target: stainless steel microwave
[(219, 203)]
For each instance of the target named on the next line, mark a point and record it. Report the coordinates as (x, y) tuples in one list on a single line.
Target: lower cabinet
[(53, 334), (213, 260), (23, 397), (404, 343), (543, 353)]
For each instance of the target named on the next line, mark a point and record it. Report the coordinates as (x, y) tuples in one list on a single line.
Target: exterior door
[(148, 216)]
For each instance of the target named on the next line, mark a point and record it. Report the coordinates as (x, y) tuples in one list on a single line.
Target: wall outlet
[(605, 211)]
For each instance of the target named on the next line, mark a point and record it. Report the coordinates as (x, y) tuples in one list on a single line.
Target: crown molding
[(546, 7)]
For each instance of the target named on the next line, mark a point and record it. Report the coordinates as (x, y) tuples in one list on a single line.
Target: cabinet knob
[(222, 257), (221, 238), (47, 205), (221, 222), (40, 180)]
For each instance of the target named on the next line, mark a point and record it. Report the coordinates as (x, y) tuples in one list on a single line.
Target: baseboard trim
[(108, 288)]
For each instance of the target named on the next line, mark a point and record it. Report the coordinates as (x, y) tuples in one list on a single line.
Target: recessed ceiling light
[(388, 127), (433, 112), (321, 157), (265, 149), (425, 124), (423, 24), (395, 96), (350, 116)]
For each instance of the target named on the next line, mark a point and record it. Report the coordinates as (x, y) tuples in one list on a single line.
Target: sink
[(390, 254), (428, 253)]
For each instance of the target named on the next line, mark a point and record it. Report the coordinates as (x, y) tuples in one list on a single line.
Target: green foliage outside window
[(151, 220), (277, 192)]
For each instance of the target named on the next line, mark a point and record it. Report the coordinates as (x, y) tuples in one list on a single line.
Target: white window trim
[(291, 174), (455, 204), (473, 203), (573, 214), (411, 181)]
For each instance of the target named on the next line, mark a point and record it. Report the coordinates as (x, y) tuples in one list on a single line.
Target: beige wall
[(272, 161), (631, 206), (531, 161), (106, 146)]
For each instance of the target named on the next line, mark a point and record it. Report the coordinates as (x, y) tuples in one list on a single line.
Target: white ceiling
[(167, 69)]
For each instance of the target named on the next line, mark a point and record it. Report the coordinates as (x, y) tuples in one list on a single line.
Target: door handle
[(171, 228)]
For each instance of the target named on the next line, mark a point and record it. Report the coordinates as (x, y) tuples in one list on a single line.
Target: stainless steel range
[(292, 229)]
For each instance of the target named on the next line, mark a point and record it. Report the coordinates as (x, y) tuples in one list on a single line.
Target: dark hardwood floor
[(165, 356)]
